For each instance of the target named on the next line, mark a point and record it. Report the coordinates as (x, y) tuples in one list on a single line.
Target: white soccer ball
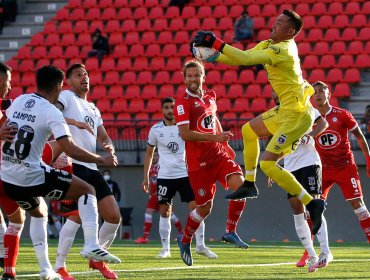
[(203, 53)]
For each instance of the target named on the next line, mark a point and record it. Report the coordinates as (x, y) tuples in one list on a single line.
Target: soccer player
[(336, 155), (279, 56), (208, 156), (172, 176), (86, 126), (152, 205), (26, 179), (305, 165)]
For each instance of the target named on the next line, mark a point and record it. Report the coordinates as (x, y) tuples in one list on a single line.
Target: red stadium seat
[(50, 27), (246, 76), (214, 77), (188, 12), (167, 50), (236, 11), (258, 105), (208, 24), (366, 8), (310, 62), (314, 35), (181, 37), (164, 37), (176, 24), (246, 116), (140, 64), (162, 77), (367, 48), (309, 22), (84, 39), (140, 12), (144, 77), (115, 91), (259, 23), (42, 62), (95, 76), (340, 21), (142, 120), (119, 50), (337, 48), (124, 13), (172, 12), (157, 63), (225, 23), (119, 105), (105, 4), (150, 91), (362, 61), (192, 24), (327, 61), (131, 38), (62, 14), (103, 105), (178, 79), (219, 12), (89, 3), (129, 25), (253, 90), (55, 52), (26, 65), (136, 3), (351, 75), (128, 78), (325, 21), (342, 90), (269, 10), (261, 77), (76, 14), (304, 48), (355, 47), (80, 26), (124, 64), (24, 52), (229, 76), (358, 21), (364, 34), (155, 13), (223, 105), (335, 8), (96, 24), (15, 92), (235, 91), (151, 3), (111, 78), (67, 39), (352, 8), (65, 27), (60, 63), (174, 64), (108, 64), (39, 52), (334, 76), (204, 12), (132, 92), (50, 40), (317, 75), (220, 90), (148, 38), (318, 9), (136, 105), (254, 10), (112, 26), (143, 25), (331, 35), (98, 92), (267, 91), (152, 51), (349, 34), (229, 119), (302, 9), (153, 105), (108, 13), (92, 64), (345, 61), (240, 105), (320, 48), (125, 119)]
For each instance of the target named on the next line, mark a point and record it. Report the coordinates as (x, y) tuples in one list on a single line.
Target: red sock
[(11, 247), (365, 224), (147, 228), (236, 208), (192, 225), (178, 225)]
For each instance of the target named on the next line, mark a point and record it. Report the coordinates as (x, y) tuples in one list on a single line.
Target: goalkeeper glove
[(208, 39)]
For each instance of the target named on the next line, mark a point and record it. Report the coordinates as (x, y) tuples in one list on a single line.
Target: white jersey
[(81, 110), (171, 150), (304, 155), (36, 119)]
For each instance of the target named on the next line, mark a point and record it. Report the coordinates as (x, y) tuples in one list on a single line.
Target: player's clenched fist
[(208, 39), (109, 160)]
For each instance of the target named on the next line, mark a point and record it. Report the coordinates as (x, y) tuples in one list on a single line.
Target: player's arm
[(72, 150), (363, 145), (104, 140), (7, 132), (80, 125), (190, 135), (319, 126), (235, 57), (147, 164)]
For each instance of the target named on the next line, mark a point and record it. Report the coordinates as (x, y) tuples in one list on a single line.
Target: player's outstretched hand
[(7, 132), (145, 185), (223, 136), (208, 39), (109, 160), (109, 148)]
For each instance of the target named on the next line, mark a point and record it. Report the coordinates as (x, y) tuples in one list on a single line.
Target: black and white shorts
[(167, 188), (310, 177), (57, 183), (94, 178)]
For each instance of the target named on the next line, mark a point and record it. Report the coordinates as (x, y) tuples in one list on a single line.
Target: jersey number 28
[(22, 145)]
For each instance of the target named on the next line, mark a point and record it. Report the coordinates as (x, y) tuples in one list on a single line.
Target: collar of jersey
[(193, 95)]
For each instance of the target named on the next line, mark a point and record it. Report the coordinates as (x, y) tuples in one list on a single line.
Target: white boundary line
[(192, 267)]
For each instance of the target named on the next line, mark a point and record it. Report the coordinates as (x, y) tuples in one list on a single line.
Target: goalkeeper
[(279, 55)]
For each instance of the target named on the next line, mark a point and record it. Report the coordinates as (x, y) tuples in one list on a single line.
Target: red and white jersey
[(333, 145), (153, 175), (200, 115)]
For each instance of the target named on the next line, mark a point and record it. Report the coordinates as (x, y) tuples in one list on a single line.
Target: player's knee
[(267, 166), (248, 133)]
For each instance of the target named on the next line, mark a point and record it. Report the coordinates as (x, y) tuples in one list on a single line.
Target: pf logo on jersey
[(89, 121), (173, 147), (206, 123), (329, 139)]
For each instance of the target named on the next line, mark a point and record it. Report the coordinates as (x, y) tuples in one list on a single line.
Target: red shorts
[(203, 181), (348, 181), (153, 202), (8, 205)]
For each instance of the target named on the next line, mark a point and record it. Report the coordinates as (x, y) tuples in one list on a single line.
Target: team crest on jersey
[(335, 119), (180, 110), (196, 104), (206, 123), (201, 192), (30, 103), (89, 121), (173, 147), (329, 139), (281, 139)]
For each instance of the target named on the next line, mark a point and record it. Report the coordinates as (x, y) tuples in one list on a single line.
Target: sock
[(39, 240), (199, 235), (250, 152), (11, 247), (148, 221), (88, 209), (58, 226), (236, 208), (192, 224), (66, 238), (176, 221), (2, 232), (364, 218), (50, 232), (285, 180), (322, 237), (107, 233), (304, 233), (165, 231)]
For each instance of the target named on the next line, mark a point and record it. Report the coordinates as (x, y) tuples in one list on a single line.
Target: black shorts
[(57, 183), (310, 177), (167, 188), (94, 178)]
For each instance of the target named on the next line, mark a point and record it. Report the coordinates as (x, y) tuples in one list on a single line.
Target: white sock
[(199, 235), (2, 232), (362, 213), (58, 226), (107, 233), (148, 218), (322, 237), (174, 218), (38, 235), (88, 209), (304, 233), (66, 238), (50, 232), (165, 231)]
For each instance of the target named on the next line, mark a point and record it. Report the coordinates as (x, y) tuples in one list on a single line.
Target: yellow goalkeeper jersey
[(284, 73)]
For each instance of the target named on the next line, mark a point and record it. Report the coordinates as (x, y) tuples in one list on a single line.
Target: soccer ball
[(203, 53)]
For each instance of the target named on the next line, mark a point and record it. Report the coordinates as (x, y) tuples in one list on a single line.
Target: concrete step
[(13, 42), (41, 17), (6, 54), (22, 30)]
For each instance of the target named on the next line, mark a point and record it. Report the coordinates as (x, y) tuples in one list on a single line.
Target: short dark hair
[(4, 68), (73, 67), (167, 100), (48, 77), (320, 83), (295, 19), (193, 64)]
